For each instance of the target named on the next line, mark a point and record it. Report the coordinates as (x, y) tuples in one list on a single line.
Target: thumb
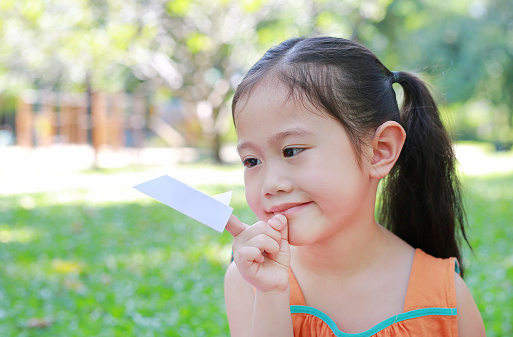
[(235, 226), (279, 223)]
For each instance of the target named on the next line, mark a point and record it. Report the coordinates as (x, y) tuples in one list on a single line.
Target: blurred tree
[(497, 83), (199, 50), (467, 51)]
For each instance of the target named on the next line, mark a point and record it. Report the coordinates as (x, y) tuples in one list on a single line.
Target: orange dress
[(429, 310)]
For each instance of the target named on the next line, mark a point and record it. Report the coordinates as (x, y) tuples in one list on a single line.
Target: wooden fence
[(99, 119)]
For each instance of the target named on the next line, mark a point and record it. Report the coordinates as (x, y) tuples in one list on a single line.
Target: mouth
[(288, 208)]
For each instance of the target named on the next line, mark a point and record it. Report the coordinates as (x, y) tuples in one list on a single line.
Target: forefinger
[(235, 226)]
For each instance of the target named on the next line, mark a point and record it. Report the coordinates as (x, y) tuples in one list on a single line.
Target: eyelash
[(287, 153), (294, 151), (251, 162)]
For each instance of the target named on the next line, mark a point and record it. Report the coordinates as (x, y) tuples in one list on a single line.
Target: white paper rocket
[(211, 211)]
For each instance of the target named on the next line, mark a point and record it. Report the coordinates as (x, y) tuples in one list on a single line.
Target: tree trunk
[(216, 141)]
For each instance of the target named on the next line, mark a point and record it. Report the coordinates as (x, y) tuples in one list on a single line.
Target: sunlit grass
[(76, 263), (490, 268), (21, 235)]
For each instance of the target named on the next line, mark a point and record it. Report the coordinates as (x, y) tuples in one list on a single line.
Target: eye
[(291, 151), (251, 162)]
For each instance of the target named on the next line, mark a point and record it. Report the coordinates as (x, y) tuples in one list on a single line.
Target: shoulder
[(470, 322), (239, 299)]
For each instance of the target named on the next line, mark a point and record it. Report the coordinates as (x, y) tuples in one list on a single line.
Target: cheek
[(331, 185), (254, 200), (316, 179)]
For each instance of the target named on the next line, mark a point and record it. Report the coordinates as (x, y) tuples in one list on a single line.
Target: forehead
[(270, 115), (271, 95)]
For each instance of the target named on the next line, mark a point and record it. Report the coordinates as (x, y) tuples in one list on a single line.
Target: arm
[(239, 301), (257, 290), (253, 313), (271, 315), (470, 322)]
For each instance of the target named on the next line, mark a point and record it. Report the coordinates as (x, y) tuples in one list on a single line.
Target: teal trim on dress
[(457, 267), (301, 309)]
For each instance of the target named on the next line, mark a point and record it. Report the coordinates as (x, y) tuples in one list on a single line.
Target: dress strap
[(296, 295), (431, 283)]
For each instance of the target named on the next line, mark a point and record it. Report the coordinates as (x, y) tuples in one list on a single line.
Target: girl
[(318, 127)]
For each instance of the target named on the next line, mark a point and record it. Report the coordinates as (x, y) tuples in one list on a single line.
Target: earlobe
[(387, 144)]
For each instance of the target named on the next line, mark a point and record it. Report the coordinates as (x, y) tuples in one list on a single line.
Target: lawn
[(94, 261)]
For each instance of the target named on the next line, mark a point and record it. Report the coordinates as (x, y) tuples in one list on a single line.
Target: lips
[(288, 208)]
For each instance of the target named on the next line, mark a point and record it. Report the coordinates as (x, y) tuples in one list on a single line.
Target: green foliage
[(465, 47), (462, 46), (178, 7)]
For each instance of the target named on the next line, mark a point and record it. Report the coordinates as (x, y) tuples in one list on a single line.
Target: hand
[(262, 253)]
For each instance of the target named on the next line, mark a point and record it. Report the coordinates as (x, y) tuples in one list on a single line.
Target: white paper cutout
[(225, 197), (211, 211)]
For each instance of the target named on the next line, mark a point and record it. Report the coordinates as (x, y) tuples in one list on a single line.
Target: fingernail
[(275, 223)]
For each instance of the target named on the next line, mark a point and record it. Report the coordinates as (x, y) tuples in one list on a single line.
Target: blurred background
[(99, 95)]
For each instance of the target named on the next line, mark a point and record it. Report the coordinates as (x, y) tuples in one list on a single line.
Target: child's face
[(300, 164)]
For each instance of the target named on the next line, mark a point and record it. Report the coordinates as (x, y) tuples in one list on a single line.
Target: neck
[(344, 254)]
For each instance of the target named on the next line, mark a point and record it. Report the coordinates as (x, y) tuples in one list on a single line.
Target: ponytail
[(421, 202)]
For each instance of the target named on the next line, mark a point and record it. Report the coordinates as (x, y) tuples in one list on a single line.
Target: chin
[(299, 239)]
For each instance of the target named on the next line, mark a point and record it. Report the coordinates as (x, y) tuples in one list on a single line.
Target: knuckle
[(248, 253), (261, 226), (261, 239), (257, 241)]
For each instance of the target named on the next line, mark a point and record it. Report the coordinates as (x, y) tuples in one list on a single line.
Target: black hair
[(421, 198)]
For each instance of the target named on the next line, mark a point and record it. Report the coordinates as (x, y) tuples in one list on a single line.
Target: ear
[(387, 144)]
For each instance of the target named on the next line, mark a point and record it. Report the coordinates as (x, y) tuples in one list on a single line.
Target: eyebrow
[(278, 137)]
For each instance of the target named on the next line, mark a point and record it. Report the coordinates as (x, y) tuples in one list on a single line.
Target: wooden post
[(138, 120), (65, 118), (82, 121), (45, 122), (99, 119), (24, 123), (116, 121)]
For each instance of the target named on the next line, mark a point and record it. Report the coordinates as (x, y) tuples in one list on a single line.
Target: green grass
[(109, 269), (72, 266), (489, 272)]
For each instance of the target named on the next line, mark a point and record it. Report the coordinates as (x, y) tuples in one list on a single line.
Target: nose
[(277, 180)]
